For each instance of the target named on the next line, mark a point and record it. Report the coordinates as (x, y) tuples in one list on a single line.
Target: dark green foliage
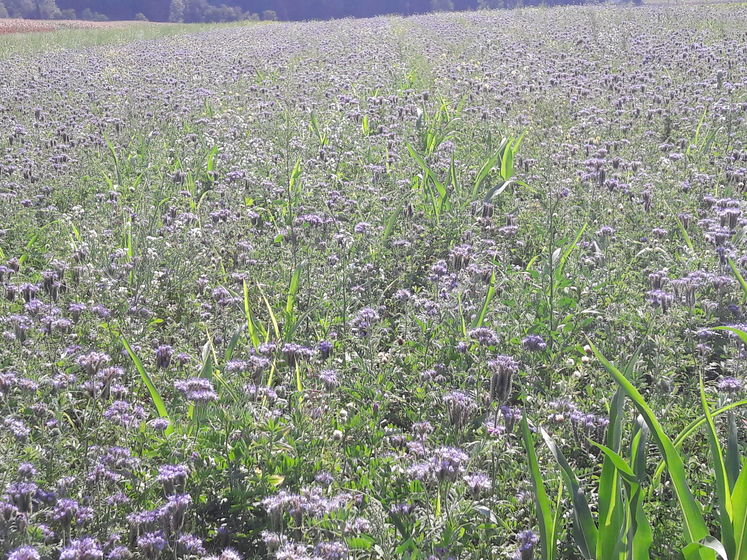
[(234, 10)]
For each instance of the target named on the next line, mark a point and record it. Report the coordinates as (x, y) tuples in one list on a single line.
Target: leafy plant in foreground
[(622, 529)]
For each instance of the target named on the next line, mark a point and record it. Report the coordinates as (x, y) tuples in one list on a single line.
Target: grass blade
[(485, 170), (567, 253), (154, 395), (733, 457), (253, 335), (486, 304), (507, 161), (586, 529), (739, 276), (545, 518), (740, 333), (273, 319), (291, 300)]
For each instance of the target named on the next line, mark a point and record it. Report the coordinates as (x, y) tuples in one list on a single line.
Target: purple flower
[(197, 389), (159, 424), (24, 553), (125, 414), (173, 478), (82, 549), (527, 541), (295, 353), (151, 544), (325, 348), (119, 553), (484, 336), (534, 343), (448, 463), (477, 483), (189, 544), (65, 511), (730, 385), (364, 320), (163, 356), (329, 379)]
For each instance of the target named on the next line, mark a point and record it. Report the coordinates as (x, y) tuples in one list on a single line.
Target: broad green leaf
[(486, 168), (722, 479), (733, 456), (740, 333), (688, 431), (619, 463), (739, 277), (641, 536), (507, 162), (739, 503), (695, 528), (611, 506)]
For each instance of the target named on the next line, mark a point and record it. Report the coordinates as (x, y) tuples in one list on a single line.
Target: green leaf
[(611, 511), (275, 480), (619, 463), (273, 319), (688, 431), (486, 303), (739, 503), (560, 270), (586, 528), (507, 162), (739, 276), (722, 479), (545, 518), (253, 335), (154, 395), (641, 536), (361, 542), (695, 527), (292, 290), (740, 333), (486, 168), (692, 550), (498, 189), (231, 348), (733, 457), (391, 222)]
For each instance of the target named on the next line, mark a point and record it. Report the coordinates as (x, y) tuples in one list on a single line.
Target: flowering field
[(443, 287)]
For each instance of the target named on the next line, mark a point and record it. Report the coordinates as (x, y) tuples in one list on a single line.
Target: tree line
[(234, 10)]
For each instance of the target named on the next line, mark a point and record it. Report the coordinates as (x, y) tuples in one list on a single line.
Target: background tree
[(176, 11), (232, 10), (442, 5), (21, 8)]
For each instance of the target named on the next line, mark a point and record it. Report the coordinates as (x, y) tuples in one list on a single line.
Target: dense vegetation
[(349, 290), (233, 10)]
